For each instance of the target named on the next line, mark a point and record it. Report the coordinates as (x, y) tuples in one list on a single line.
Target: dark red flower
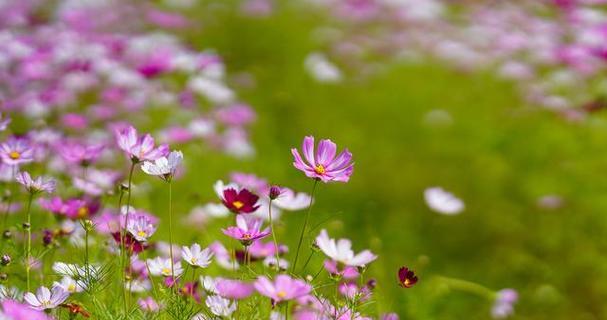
[(130, 243), (243, 201), (406, 277)]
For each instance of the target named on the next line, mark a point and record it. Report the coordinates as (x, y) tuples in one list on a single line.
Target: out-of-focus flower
[(220, 306), (247, 230), (148, 304), (162, 267), (319, 67), (70, 285), (323, 165), (196, 257), (442, 201), (16, 151), (164, 167), (341, 251), (291, 201), (503, 306), (223, 256), (79, 153), (40, 184), (13, 310), (45, 298), (233, 289), (4, 122), (283, 288), (270, 261), (139, 148), (406, 277)]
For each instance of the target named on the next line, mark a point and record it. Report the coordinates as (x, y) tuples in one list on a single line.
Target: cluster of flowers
[(554, 49), (83, 66)]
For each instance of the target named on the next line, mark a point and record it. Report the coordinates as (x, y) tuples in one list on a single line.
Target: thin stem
[(28, 252), (273, 235), (303, 230), (123, 253), (307, 261), (171, 230)]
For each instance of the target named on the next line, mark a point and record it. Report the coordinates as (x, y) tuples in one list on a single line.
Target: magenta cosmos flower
[(283, 288), (16, 311), (233, 289), (247, 230), (406, 277), (240, 201), (16, 151), (139, 148), (323, 165)]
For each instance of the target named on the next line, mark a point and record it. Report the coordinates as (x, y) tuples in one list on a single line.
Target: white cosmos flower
[(197, 257), (164, 167), (162, 267), (442, 201), (220, 306), (209, 284), (341, 251), (319, 67), (45, 299), (291, 201), (70, 285)]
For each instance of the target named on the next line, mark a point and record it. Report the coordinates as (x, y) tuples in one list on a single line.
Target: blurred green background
[(497, 154)]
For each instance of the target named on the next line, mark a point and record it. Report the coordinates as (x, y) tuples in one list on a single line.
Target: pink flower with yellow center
[(323, 164)]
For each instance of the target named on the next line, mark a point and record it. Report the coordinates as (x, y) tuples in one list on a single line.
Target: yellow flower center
[(14, 155), (246, 236), (166, 271), (281, 294), (46, 303), (320, 169), (71, 288), (83, 212), (142, 234), (407, 282), (194, 260), (237, 204)]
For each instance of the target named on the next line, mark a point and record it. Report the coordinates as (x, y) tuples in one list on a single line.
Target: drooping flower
[(196, 257), (233, 289), (323, 165), (40, 184), (503, 305), (139, 148), (220, 306), (16, 151), (442, 201), (341, 251), (283, 288), (240, 201), (164, 167), (162, 267), (45, 298), (406, 277), (13, 310), (247, 230)]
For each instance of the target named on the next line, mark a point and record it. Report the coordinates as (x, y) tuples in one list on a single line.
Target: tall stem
[(28, 251), (303, 230), (171, 230), (123, 253), (273, 235), (467, 286)]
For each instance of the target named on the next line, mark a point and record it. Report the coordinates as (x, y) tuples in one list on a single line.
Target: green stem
[(171, 230), (303, 230), (28, 252), (273, 235), (307, 261), (467, 286), (123, 253)]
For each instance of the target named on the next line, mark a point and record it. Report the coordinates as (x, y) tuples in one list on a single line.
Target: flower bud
[(5, 260), (275, 192), (7, 234)]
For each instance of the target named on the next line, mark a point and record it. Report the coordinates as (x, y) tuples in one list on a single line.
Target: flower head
[(442, 201), (406, 277), (341, 251), (16, 151), (70, 285), (162, 267), (283, 288), (164, 167), (233, 289), (14, 310), (240, 201), (79, 153), (247, 230), (148, 304), (324, 165), (220, 306), (139, 148), (196, 257), (45, 298), (40, 184), (504, 303), (141, 228)]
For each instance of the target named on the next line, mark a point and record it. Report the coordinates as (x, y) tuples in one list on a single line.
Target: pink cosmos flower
[(323, 165), (141, 228), (148, 304), (14, 310), (283, 288), (223, 256), (247, 230), (79, 153), (40, 184), (139, 148), (233, 289), (45, 299), (16, 151), (260, 250)]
